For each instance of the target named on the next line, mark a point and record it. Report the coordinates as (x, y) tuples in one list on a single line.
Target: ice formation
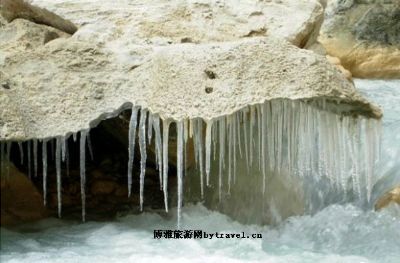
[(297, 137)]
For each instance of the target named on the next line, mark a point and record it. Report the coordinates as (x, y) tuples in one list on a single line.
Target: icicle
[(221, 153), (180, 168), (214, 140), (21, 152), (337, 150), (355, 156), (251, 143), (143, 154), (44, 160), (150, 127), (289, 125), (185, 137), (344, 153), (74, 136), (131, 146), (230, 151), (89, 143), (29, 146), (193, 128), (58, 172), (234, 147), (64, 152), (35, 159), (237, 126), (270, 133), (156, 125), (263, 143), (259, 116), (320, 145), (246, 148), (192, 123), (166, 124), (279, 135), (208, 150), (200, 154), (63, 149), (82, 163), (369, 157)]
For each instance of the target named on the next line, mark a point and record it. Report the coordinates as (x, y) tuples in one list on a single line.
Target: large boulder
[(69, 84), (162, 60), (78, 83), (365, 36)]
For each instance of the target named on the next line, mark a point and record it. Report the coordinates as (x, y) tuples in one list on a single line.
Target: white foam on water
[(335, 234)]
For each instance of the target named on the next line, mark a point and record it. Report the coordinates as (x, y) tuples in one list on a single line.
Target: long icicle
[(208, 150), (166, 124), (44, 160), (131, 146), (82, 163), (230, 151), (156, 124), (58, 172), (150, 127), (246, 148), (180, 169), (221, 154), (251, 142), (21, 152), (263, 143), (143, 154), (201, 154)]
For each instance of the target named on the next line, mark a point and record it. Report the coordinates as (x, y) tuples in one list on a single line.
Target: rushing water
[(337, 233)]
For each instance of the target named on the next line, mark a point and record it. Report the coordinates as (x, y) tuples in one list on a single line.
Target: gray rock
[(379, 24)]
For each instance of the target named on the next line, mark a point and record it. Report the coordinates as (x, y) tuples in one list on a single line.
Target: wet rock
[(393, 196), (103, 187), (20, 200)]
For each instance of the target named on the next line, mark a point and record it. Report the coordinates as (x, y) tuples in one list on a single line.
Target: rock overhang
[(70, 84), (182, 81)]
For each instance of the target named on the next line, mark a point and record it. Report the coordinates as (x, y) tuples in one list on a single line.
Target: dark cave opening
[(106, 173)]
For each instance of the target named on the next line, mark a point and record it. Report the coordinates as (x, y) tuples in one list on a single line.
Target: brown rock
[(390, 197), (20, 199), (103, 187), (12, 9), (121, 191), (365, 61)]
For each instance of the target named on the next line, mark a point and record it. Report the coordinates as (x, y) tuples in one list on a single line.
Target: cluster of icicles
[(299, 138)]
